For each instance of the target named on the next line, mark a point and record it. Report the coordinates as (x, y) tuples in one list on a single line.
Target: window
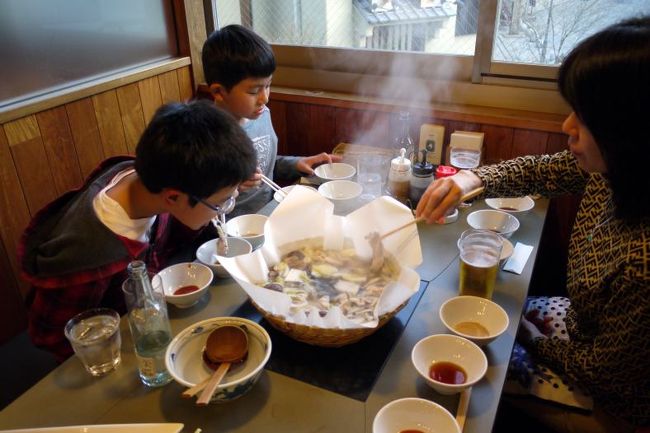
[(49, 45), (511, 38)]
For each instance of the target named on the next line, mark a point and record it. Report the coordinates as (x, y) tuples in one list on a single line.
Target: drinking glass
[(96, 340), (372, 171), (479, 262)]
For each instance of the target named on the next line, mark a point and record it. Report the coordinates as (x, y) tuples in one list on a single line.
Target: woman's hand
[(253, 182), (443, 195), (306, 165), (528, 332)]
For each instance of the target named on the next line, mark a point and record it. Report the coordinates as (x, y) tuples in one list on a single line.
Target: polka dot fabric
[(526, 376)]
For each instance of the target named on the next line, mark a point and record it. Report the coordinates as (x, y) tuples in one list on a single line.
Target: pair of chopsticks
[(274, 186), (470, 195)]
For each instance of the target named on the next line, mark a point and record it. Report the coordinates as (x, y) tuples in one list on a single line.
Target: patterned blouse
[(608, 283)]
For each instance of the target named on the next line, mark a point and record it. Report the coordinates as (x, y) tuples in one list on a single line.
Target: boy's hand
[(306, 165), (253, 182)]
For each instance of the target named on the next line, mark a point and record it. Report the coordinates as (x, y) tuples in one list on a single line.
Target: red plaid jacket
[(73, 262)]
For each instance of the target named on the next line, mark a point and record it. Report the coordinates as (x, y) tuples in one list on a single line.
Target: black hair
[(606, 80), (194, 147), (235, 53)]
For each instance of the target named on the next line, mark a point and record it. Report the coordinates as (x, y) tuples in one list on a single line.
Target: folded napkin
[(518, 259)]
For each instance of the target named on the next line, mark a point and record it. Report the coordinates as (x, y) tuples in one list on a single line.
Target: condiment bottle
[(404, 140), (399, 177), (421, 177), (148, 322), (444, 171)]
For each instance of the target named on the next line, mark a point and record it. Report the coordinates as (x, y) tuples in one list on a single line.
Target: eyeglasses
[(227, 206)]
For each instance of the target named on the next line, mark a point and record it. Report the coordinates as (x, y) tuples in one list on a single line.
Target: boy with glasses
[(189, 162), (238, 66)]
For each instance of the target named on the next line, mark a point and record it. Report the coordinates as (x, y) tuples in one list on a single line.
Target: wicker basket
[(324, 337)]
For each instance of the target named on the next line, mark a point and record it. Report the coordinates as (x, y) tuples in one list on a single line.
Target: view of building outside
[(528, 31)]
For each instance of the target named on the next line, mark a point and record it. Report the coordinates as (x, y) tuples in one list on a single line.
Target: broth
[(447, 372), (185, 290), (474, 329)]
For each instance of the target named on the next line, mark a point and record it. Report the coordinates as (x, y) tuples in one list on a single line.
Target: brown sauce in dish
[(185, 290), (474, 329), (506, 208), (447, 372)]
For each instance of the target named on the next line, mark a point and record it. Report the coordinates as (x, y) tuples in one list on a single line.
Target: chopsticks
[(470, 195), (463, 404), (274, 186)]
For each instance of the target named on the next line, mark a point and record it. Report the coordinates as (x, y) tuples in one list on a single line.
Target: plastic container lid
[(444, 171), (424, 167), (401, 163)]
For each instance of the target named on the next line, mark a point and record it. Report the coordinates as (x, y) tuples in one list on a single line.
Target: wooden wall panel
[(59, 148), (85, 133), (279, 119), (29, 156), (128, 98), (556, 143), (150, 96), (169, 87), (185, 86), (527, 142), (372, 128), (497, 144), (109, 122), (46, 154), (14, 212)]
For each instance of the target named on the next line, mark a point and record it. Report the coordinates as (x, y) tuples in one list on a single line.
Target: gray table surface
[(70, 396)]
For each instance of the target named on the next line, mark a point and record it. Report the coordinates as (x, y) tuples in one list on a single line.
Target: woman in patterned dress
[(606, 347)]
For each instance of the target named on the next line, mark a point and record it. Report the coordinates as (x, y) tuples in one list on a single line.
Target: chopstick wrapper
[(518, 259), (305, 214)]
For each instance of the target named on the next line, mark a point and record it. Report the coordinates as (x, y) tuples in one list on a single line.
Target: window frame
[(473, 80)]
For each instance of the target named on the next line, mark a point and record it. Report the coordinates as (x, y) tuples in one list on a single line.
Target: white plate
[(107, 428), (278, 197)]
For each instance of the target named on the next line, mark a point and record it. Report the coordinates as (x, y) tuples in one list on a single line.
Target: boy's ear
[(171, 197), (217, 91)]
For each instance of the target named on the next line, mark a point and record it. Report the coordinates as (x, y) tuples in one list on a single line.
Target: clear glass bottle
[(404, 140), (148, 322)]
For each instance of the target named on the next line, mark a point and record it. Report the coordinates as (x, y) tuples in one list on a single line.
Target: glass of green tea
[(479, 262)]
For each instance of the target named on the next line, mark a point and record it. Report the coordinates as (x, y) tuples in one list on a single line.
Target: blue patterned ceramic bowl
[(185, 363)]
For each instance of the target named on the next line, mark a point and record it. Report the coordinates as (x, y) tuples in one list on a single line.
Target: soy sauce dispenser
[(399, 177), (421, 177)]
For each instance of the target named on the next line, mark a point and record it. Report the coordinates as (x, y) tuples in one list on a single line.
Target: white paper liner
[(305, 214)]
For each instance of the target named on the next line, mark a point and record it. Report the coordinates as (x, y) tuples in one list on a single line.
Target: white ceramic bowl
[(414, 414), (207, 254), (182, 275), (494, 220), (343, 193), (249, 227), (449, 348), (462, 314), (506, 249), (511, 204), (287, 189), (334, 171), (184, 360)]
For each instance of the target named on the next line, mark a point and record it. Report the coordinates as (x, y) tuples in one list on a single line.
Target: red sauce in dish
[(447, 372), (185, 290), (411, 431)]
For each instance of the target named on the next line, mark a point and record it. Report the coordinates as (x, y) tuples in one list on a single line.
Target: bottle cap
[(444, 171), (401, 163)]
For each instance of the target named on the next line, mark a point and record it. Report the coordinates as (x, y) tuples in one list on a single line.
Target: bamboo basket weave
[(324, 337)]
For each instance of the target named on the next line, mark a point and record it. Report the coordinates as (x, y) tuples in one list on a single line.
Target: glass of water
[(372, 171), (95, 338)]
